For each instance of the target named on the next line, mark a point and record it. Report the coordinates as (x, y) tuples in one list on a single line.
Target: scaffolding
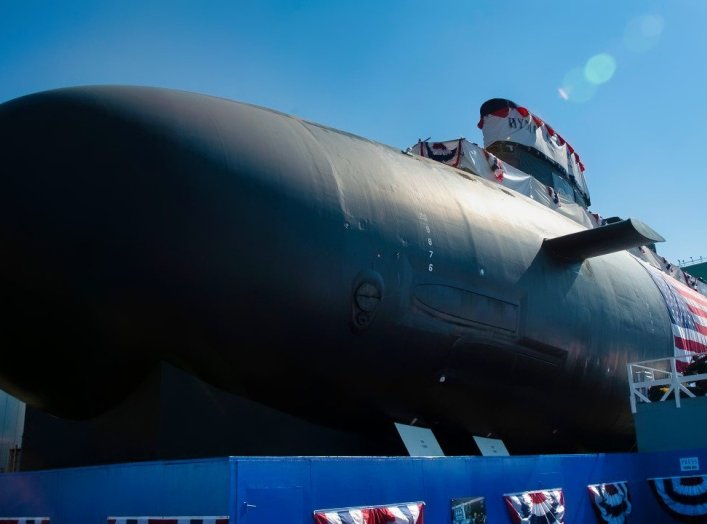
[(658, 380)]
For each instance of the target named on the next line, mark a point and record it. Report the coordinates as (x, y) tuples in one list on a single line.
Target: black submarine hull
[(309, 269)]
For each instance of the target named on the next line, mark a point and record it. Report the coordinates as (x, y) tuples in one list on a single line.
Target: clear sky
[(623, 81)]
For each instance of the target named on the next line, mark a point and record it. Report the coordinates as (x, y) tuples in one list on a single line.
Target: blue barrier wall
[(90, 495), (315, 483), (287, 489)]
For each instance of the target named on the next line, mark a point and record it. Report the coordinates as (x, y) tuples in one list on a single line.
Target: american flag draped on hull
[(688, 316)]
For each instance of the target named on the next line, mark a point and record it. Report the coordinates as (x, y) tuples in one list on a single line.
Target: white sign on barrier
[(689, 464)]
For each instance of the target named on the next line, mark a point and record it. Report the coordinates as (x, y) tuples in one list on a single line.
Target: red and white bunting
[(547, 506), (449, 152), (688, 316), (495, 165), (611, 501), (24, 520), (684, 498), (517, 124), (168, 520), (407, 513)]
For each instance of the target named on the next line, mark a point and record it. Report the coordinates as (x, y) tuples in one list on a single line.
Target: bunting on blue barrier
[(167, 520), (611, 501), (407, 513), (684, 498), (537, 507), (24, 520)]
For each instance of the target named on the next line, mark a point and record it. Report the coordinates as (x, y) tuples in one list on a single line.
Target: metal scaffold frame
[(645, 375)]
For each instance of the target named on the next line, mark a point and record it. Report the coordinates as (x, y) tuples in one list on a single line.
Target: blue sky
[(396, 71)]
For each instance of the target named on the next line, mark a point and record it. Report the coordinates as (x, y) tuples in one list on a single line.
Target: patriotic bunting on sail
[(685, 498), (517, 124), (611, 501), (688, 315), (537, 507), (25, 520), (495, 164), (168, 520), (446, 152), (407, 513)]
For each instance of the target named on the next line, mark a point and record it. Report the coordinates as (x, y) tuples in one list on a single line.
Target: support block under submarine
[(316, 272)]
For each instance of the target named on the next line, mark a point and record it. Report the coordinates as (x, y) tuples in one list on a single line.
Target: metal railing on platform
[(651, 377)]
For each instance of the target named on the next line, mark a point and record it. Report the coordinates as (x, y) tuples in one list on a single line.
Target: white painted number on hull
[(428, 230)]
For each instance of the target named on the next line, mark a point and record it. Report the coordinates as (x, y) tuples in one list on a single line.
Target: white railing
[(642, 376), (692, 261)]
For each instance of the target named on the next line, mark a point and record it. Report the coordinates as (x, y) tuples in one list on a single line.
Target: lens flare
[(600, 68), (576, 88), (643, 33)]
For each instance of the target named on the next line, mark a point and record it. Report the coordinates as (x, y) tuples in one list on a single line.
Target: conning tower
[(526, 142)]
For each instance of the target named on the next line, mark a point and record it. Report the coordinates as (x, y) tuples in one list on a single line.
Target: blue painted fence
[(271, 490)]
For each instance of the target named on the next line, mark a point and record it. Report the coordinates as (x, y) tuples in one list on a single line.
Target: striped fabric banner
[(688, 316), (684, 498), (611, 501), (167, 520), (531, 507), (407, 513), (446, 152), (24, 520)]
